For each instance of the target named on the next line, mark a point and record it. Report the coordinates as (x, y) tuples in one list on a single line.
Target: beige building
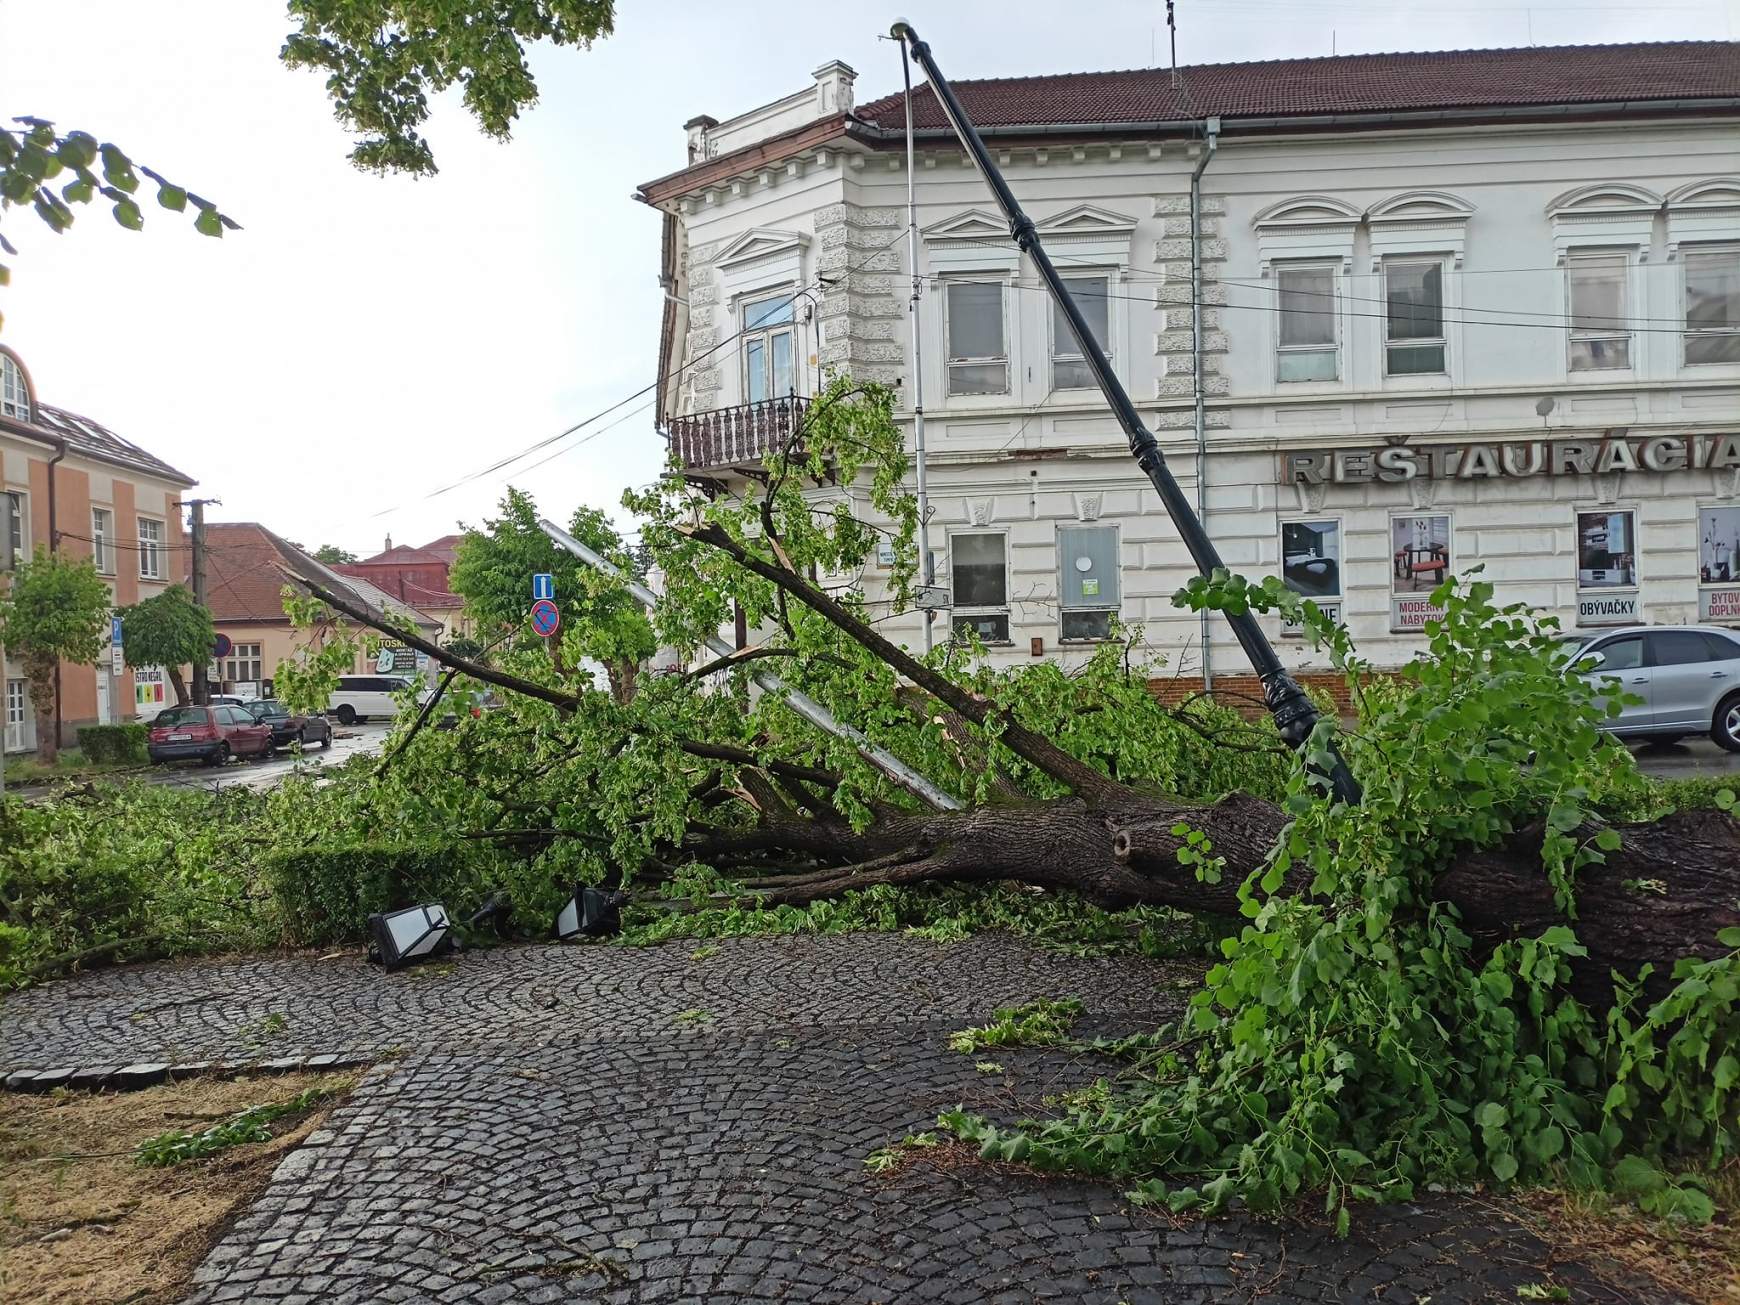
[(245, 564), (69, 484)]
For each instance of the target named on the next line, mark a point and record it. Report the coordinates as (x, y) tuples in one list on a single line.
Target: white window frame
[(1441, 340), (971, 610), (151, 551), (103, 539), (1334, 268), (1113, 609), (1109, 276), (950, 362), (20, 544), (1590, 256), (1686, 253), (244, 657), (14, 390), (18, 733), (764, 335)]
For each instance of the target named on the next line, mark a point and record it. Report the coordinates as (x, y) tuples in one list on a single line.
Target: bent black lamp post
[(1294, 715), (417, 933), (590, 913)]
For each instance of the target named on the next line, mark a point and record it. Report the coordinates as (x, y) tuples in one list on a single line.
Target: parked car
[(212, 734), (358, 697), (287, 727), (1688, 677)]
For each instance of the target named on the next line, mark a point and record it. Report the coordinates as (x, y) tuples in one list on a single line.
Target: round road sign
[(221, 646), (545, 618)]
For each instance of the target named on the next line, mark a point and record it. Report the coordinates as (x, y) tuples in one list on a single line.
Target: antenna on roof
[(1172, 35)]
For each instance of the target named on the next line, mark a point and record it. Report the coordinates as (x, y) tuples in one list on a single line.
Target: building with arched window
[(70, 484)]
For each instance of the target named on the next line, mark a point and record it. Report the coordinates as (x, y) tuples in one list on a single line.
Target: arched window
[(14, 394)]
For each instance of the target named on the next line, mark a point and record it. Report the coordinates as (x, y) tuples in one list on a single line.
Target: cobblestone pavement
[(601, 1124)]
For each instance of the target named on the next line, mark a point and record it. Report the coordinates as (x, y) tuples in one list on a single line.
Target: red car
[(213, 734)]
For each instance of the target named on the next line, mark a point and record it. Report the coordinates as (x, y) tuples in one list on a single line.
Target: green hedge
[(118, 744), (327, 892)]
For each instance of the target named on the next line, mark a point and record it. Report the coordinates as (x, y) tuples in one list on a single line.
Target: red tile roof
[(244, 583), (1363, 83)]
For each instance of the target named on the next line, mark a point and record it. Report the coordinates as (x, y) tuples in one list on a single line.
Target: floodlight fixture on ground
[(417, 933), (1295, 717), (590, 913)]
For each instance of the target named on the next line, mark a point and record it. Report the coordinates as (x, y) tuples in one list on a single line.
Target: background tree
[(386, 59), (56, 609), (169, 630), (333, 555), (493, 571)]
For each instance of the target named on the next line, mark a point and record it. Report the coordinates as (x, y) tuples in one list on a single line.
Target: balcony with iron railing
[(734, 437)]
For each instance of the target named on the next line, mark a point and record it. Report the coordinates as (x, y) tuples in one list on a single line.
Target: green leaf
[(1729, 937), (208, 223), (128, 215), (1635, 1176), (172, 197), (1504, 1166), (1491, 1115), (1726, 1073)]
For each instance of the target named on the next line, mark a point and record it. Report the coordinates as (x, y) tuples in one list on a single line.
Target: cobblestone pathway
[(601, 1124)]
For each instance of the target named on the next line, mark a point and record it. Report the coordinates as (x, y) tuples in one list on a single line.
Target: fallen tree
[(1474, 936)]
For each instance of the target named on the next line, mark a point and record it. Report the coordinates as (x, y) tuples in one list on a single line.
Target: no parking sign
[(545, 617)]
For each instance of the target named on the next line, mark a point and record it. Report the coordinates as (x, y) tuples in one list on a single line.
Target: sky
[(363, 342)]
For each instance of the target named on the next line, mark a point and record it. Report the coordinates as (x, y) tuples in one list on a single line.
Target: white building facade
[(1470, 309)]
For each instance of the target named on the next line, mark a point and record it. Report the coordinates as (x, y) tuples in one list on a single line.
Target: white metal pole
[(926, 567), (800, 702)]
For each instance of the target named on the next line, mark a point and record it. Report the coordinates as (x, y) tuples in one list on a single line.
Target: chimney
[(833, 88), (697, 128), (389, 547)]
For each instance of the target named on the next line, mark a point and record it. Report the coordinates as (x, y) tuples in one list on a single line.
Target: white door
[(103, 715), (20, 728)]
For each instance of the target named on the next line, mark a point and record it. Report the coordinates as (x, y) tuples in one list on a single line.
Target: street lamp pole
[(1294, 715)]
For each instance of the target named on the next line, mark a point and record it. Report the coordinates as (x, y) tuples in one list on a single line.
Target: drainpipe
[(1200, 417), (53, 544), (926, 571)]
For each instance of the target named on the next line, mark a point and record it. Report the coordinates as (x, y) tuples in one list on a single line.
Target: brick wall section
[(1244, 693)]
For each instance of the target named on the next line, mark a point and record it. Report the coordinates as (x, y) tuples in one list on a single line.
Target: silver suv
[(1688, 677)]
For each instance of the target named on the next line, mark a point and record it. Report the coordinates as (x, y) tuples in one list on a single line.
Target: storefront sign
[(148, 690), (1292, 629), (1411, 613), (1719, 604), (1606, 609), (1511, 459)]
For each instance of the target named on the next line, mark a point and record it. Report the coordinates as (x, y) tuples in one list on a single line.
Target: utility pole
[(196, 537)]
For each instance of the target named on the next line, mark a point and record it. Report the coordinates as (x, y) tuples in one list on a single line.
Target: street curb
[(144, 1074)]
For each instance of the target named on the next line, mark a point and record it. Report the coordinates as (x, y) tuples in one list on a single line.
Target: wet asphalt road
[(347, 741), (1682, 760)]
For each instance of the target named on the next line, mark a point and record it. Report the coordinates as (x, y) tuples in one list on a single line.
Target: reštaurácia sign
[(1511, 459)]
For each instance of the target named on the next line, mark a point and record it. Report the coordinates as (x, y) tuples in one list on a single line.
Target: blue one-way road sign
[(543, 585)]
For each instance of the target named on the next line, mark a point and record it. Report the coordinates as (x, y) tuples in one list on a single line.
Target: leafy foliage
[(114, 744), (56, 609), (325, 892), (1033, 1024), (333, 555), (251, 1125), (35, 153), (384, 59), (1356, 1042), (168, 629), (493, 568)]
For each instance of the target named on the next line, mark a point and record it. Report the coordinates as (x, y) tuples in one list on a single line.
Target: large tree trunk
[(1661, 895), (178, 684), (40, 671)]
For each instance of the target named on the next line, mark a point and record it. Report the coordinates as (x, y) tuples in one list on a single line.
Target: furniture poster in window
[(1311, 566), (1606, 567), (1719, 565), (1420, 561)]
